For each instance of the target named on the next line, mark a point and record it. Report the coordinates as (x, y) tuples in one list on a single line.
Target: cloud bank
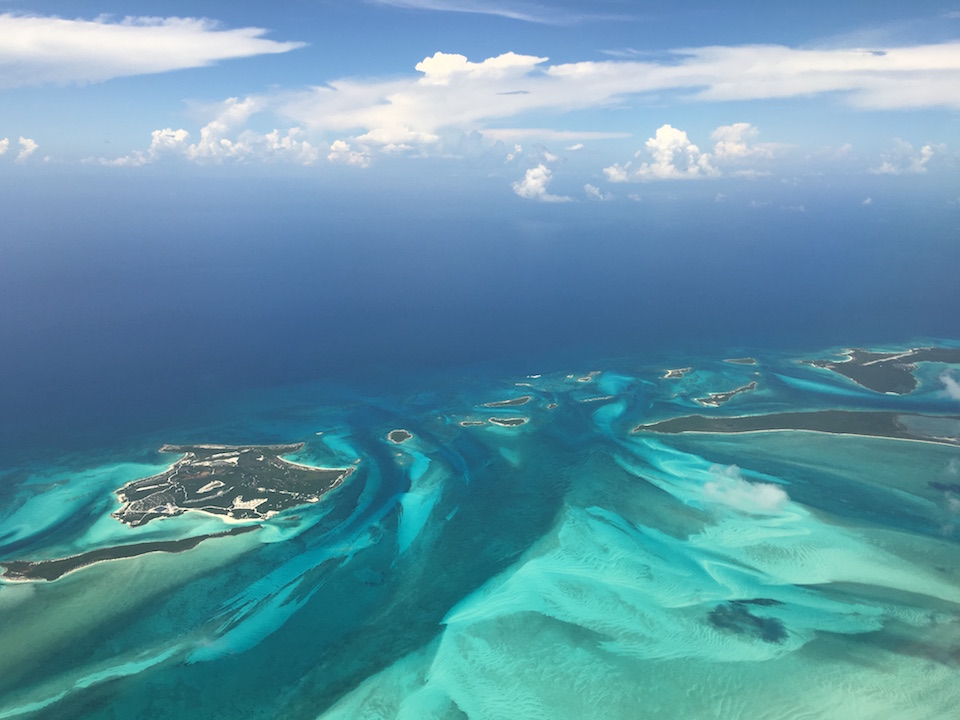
[(671, 155), (39, 50), (450, 95)]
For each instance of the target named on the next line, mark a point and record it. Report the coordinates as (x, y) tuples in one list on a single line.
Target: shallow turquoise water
[(562, 568)]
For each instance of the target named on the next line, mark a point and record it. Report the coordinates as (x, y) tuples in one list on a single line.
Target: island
[(49, 570), (716, 399), (941, 429), (398, 436), (513, 402), (508, 422), (677, 373), (248, 482), (886, 372), (741, 361)]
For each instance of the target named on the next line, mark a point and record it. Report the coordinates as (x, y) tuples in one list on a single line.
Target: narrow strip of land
[(901, 426), (26, 570)]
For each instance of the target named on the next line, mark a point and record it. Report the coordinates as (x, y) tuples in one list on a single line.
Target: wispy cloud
[(37, 50), (524, 11), (4, 145), (904, 160), (452, 91)]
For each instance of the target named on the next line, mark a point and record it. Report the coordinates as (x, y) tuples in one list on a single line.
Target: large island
[(249, 482)]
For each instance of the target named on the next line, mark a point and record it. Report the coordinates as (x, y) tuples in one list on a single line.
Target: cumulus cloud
[(37, 50), (225, 138), (950, 385), (904, 160), (4, 145), (27, 148), (728, 488), (515, 153), (674, 156), (341, 152), (574, 147), (734, 143), (534, 185)]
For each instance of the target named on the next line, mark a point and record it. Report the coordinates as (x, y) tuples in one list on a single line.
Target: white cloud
[(451, 95), (728, 488), (222, 139), (341, 152), (517, 151), (534, 185), (673, 157), (950, 386), (27, 148), (867, 201), (454, 92), (904, 160), (37, 50), (574, 147), (733, 143), (594, 193), (444, 68), (4, 145)]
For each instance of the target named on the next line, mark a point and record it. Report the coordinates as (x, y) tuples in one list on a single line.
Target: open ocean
[(562, 568)]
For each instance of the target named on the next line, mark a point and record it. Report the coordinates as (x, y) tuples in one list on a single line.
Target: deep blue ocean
[(130, 303)]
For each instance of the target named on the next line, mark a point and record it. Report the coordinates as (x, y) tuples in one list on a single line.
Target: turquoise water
[(563, 568)]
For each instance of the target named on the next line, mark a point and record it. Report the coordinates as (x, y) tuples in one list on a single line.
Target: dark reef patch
[(735, 617)]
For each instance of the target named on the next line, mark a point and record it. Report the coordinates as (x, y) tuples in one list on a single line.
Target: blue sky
[(560, 101)]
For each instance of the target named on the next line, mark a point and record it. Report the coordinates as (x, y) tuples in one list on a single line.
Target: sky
[(553, 101)]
